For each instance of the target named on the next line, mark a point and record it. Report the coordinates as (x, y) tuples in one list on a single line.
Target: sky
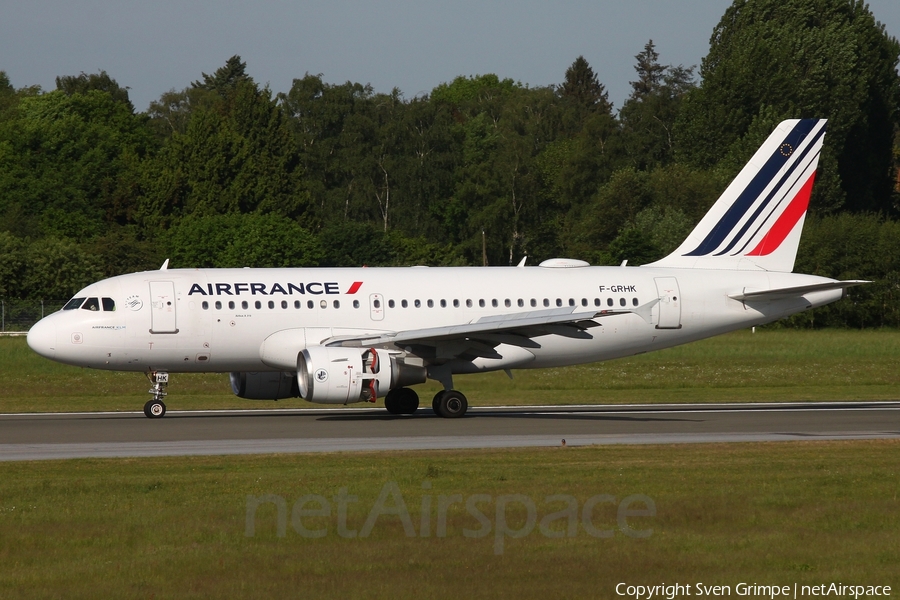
[(413, 45)]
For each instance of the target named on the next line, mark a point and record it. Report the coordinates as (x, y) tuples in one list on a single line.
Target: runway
[(80, 435)]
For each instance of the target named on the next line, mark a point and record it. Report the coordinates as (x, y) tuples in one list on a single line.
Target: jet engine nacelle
[(264, 385), (336, 375)]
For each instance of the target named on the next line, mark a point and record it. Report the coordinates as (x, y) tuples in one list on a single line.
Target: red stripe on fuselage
[(786, 222), (355, 287)]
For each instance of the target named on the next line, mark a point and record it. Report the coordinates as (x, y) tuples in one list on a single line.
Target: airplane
[(347, 335)]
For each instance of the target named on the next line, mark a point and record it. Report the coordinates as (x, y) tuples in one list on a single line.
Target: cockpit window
[(91, 304), (73, 304), (109, 304)]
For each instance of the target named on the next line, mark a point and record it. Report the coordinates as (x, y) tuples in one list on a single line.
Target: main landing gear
[(401, 401), (156, 408), (449, 404)]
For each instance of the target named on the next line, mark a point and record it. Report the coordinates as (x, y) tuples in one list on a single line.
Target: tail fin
[(756, 222)]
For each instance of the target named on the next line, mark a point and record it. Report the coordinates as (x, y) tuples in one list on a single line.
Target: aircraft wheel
[(154, 409), (401, 401), (436, 403), (409, 401), (453, 404), (392, 402)]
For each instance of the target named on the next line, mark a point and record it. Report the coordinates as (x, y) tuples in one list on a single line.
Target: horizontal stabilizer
[(794, 292)]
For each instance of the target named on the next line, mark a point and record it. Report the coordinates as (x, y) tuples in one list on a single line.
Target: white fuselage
[(219, 320)]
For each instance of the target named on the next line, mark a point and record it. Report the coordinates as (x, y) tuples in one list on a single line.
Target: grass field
[(769, 365), (809, 513), (776, 514)]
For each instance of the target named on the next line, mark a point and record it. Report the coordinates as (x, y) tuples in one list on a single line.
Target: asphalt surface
[(78, 435)]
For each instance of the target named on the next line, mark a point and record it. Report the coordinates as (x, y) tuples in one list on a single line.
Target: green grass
[(776, 513), (769, 365)]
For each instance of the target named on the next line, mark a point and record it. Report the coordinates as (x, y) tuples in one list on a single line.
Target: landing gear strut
[(450, 404), (156, 408)]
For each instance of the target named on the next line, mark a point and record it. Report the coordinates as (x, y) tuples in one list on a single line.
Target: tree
[(226, 78), (233, 240), (238, 156), (83, 83), (776, 59), (650, 72), (648, 116), (582, 87), (71, 165)]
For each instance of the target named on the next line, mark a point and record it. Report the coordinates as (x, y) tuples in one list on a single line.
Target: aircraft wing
[(794, 292), (478, 338)]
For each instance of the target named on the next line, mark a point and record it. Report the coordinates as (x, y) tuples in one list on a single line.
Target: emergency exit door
[(669, 303)]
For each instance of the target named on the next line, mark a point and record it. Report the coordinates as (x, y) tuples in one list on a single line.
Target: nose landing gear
[(156, 408)]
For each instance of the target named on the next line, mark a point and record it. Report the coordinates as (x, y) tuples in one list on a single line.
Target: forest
[(483, 170)]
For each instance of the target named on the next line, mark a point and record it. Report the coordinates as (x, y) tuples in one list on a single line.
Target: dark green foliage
[(648, 117), (83, 83), (236, 157), (226, 78), (70, 164), (776, 59), (582, 87), (234, 240), (226, 174)]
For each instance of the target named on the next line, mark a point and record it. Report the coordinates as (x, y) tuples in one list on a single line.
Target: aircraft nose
[(42, 338)]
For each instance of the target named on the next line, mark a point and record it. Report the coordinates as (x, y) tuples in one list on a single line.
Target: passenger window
[(584, 302), (418, 303), (609, 301), (218, 305), (443, 304), (634, 301), (533, 302), (507, 303), (337, 303), (481, 303), (109, 304), (271, 304), (205, 305), (494, 303), (91, 304), (621, 301), (468, 304), (431, 304), (596, 301), (376, 303), (73, 304), (258, 304), (390, 304), (404, 303), (571, 301), (356, 304), (323, 304), (521, 303), (559, 301), (284, 304), (546, 302), (310, 304), (455, 303), (297, 304)]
